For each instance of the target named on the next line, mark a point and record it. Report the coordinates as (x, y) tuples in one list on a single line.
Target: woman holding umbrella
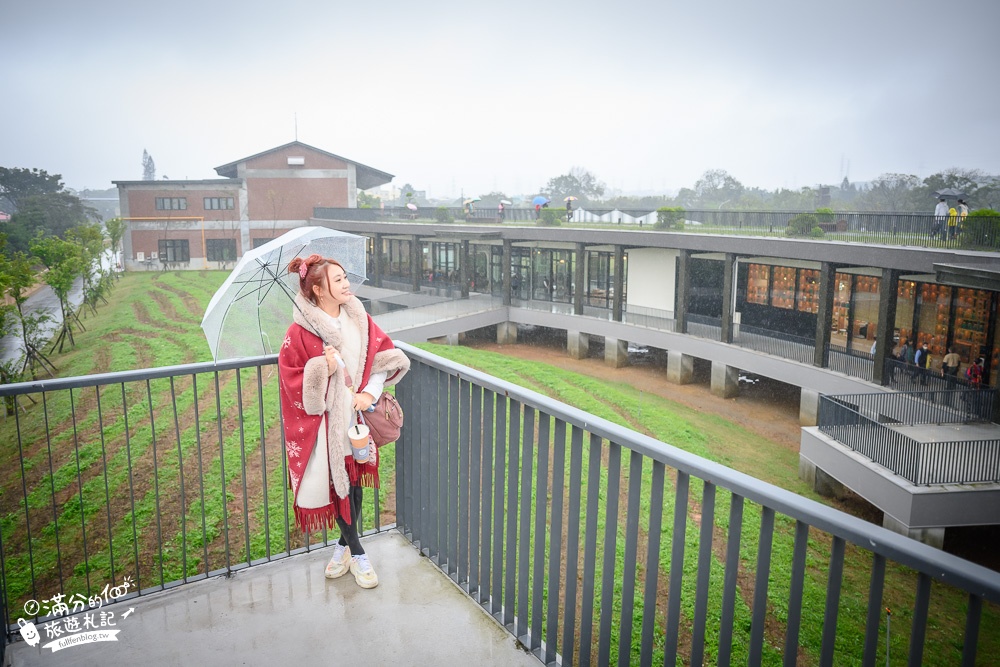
[(334, 362)]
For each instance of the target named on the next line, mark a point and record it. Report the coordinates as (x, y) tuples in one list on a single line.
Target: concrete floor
[(287, 613), (949, 432)]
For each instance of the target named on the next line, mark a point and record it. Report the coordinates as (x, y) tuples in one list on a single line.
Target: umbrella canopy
[(506, 202), (249, 314), (539, 200), (471, 200), (411, 206), (950, 193), (570, 198)]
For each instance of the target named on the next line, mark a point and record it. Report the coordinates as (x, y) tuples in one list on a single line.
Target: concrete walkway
[(287, 613)]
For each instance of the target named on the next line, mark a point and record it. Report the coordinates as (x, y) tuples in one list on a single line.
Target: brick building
[(196, 224)]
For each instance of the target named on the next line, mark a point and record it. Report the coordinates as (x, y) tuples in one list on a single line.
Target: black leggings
[(349, 534)]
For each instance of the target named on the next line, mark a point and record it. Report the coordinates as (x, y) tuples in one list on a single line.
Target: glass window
[(758, 283), (171, 204), (807, 298), (972, 311), (219, 203), (174, 250), (221, 250), (783, 288)]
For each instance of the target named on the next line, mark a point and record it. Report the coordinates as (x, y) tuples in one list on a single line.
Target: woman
[(333, 362)]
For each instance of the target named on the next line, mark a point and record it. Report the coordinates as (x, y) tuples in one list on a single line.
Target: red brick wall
[(293, 198), (142, 203), (279, 160)]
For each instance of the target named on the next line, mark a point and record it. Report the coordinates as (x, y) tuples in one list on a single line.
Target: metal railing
[(551, 519), (910, 408), (888, 228), (779, 344), (855, 363), (704, 326), (921, 463), (909, 377), (184, 467)]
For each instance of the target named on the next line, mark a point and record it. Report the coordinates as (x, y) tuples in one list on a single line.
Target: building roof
[(367, 177), (168, 182)]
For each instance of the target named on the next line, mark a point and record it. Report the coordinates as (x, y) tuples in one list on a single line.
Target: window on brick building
[(258, 241), (221, 250), (174, 250), (171, 203), (219, 203)]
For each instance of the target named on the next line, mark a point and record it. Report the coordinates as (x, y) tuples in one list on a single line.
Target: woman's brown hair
[(311, 273)]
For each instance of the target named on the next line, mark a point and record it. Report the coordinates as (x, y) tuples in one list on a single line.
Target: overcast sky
[(466, 97)]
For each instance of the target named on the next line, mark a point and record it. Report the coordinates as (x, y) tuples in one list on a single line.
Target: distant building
[(208, 224)]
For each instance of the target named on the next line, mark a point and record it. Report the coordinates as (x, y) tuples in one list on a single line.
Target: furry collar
[(313, 319)]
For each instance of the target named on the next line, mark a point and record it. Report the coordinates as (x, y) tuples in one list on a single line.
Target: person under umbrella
[(334, 362)]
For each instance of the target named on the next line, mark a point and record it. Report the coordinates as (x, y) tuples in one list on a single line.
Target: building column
[(416, 262), (506, 333), (577, 344), (728, 271), (886, 329), (579, 278), (615, 352), (619, 284), (808, 407), (680, 367), (683, 291), (725, 380), (463, 269), (377, 260), (933, 537), (821, 482), (508, 258), (824, 317)]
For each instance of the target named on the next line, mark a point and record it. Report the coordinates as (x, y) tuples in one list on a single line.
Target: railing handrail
[(935, 563)]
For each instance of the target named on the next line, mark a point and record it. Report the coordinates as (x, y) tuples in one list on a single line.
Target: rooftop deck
[(286, 612)]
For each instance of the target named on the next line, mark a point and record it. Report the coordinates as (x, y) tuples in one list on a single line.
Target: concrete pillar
[(886, 322), (508, 258), (615, 352), (933, 537), (682, 292), (618, 286), (416, 262), (506, 333), (728, 301), (579, 278), (577, 344), (680, 367), (725, 380), (377, 268), (452, 339), (808, 407), (819, 480), (464, 269), (824, 317)]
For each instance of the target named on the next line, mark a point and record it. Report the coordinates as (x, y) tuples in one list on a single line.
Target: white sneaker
[(363, 571), (340, 563)]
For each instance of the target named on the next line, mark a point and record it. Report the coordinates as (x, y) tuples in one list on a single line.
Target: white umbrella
[(249, 314), (506, 202)]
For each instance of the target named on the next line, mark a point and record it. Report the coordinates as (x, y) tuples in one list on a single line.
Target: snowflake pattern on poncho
[(294, 450)]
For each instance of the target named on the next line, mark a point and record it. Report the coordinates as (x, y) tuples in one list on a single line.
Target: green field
[(193, 495)]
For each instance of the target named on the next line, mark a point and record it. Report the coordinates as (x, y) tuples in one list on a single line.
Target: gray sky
[(462, 96)]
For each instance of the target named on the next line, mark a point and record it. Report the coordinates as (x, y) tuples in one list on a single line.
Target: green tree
[(90, 240), (578, 182), (17, 276), (366, 200), (115, 228), (716, 188), (18, 184), (890, 192), (65, 263)]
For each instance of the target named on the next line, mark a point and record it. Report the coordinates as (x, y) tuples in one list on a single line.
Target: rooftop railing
[(590, 542), (889, 228)]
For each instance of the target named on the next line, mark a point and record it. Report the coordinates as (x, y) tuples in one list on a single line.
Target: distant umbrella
[(540, 200), (471, 200), (411, 206), (950, 193), (506, 202), (570, 198)]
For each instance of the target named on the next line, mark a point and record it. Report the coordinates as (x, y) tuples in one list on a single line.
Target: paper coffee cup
[(360, 443)]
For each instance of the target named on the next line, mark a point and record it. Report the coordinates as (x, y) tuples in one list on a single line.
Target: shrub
[(825, 215), (670, 217), (981, 228), (552, 217), (443, 215), (804, 224)]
